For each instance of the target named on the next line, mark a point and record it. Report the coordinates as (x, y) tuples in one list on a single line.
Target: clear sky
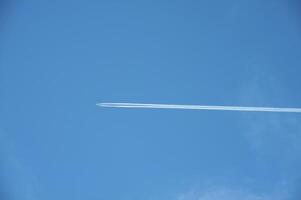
[(59, 58)]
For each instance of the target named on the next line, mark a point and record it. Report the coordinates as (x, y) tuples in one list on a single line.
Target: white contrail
[(199, 107)]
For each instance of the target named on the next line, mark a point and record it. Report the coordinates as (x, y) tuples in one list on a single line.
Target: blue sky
[(59, 58)]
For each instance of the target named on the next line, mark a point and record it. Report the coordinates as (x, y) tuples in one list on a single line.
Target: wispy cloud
[(274, 139), (270, 134), (225, 193), (16, 177)]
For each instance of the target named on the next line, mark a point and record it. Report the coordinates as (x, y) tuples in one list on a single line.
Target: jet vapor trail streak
[(199, 107)]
